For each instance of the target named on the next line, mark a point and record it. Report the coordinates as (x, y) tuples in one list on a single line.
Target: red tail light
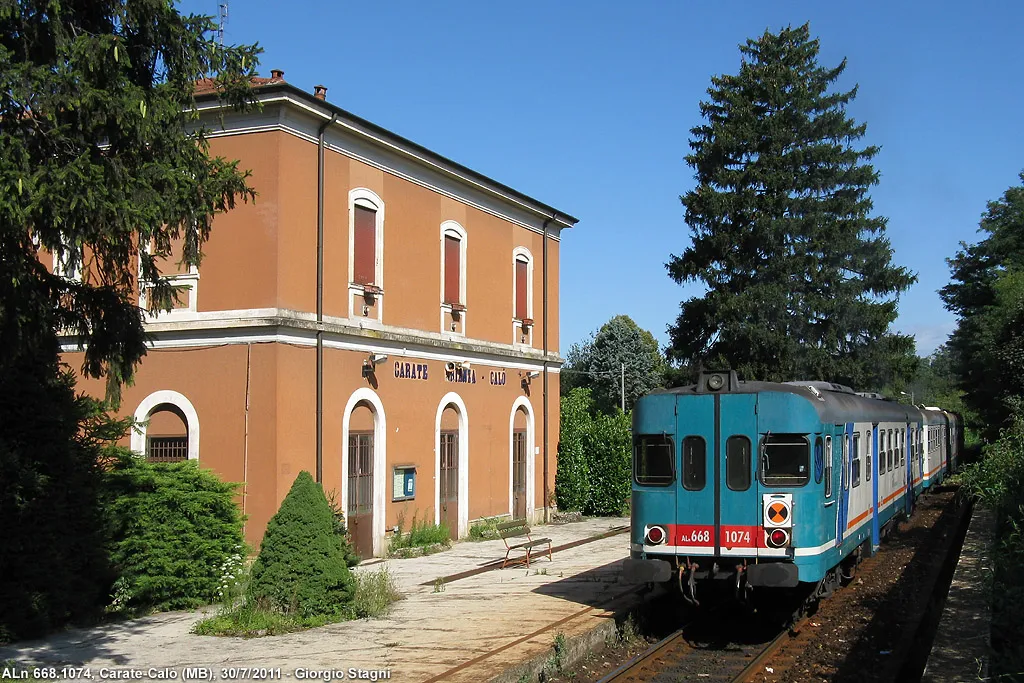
[(778, 538), (656, 535)]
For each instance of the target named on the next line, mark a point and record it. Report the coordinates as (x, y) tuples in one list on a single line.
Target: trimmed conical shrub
[(301, 567)]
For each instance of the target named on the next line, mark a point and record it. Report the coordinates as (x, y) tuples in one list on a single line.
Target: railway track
[(680, 656)]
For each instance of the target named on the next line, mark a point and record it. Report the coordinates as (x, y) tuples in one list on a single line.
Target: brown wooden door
[(519, 474), (360, 492), (450, 481)]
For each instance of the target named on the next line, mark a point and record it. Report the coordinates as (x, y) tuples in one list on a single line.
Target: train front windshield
[(785, 460)]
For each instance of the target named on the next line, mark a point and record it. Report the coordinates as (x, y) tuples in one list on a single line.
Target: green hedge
[(301, 567), (594, 466), (174, 526)]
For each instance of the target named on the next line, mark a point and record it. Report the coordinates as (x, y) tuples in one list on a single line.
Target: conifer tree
[(301, 567), (798, 272)]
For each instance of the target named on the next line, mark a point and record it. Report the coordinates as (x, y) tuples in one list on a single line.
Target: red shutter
[(365, 246), (521, 282), (452, 269)]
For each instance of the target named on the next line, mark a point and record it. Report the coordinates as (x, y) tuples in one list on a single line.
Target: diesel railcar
[(759, 484)]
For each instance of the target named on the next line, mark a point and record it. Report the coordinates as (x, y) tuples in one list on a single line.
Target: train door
[(876, 467), (846, 437), (697, 492), (737, 494)]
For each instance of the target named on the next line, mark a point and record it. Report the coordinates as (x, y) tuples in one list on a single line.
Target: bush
[(485, 529), (998, 481), (53, 559), (175, 527), (572, 488), (594, 466), (301, 568)]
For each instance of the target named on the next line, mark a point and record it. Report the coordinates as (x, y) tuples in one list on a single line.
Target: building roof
[(206, 91)]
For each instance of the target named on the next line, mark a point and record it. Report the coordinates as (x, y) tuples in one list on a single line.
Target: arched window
[(168, 428)]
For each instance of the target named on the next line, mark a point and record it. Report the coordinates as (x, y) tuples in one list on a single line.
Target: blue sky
[(587, 106)]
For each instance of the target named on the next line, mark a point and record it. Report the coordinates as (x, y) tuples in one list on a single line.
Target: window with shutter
[(521, 284), (452, 270), (365, 246)]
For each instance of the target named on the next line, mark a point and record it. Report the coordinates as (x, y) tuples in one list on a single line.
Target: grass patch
[(375, 591), (421, 537), (250, 621), (485, 529)]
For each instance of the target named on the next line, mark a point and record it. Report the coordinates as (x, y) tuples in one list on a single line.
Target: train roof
[(834, 403)]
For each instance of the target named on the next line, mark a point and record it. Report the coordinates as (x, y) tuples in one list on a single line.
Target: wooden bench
[(518, 528)]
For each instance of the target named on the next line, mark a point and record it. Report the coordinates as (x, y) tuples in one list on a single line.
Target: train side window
[(737, 463), (785, 460), (903, 448), (856, 459), (694, 463), (828, 466), (888, 452), (653, 457), (844, 475)]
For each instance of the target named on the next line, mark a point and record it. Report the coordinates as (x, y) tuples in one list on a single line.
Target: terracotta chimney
[(276, 74), (320, 92)]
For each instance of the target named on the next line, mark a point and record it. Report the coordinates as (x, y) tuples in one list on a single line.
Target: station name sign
[(452, 373)]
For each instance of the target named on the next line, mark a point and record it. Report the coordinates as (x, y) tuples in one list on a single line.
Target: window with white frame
[(184, 277), (453, 277), (366, 240), (522, 293)]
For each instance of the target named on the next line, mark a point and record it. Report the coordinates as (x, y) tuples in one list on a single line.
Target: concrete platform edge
[(960, 651)]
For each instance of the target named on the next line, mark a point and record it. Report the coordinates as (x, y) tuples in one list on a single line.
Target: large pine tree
[(799, 277)]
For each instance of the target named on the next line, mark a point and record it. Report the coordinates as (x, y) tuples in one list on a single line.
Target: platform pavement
[(470, 629)]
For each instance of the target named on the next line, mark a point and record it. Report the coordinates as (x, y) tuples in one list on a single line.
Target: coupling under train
[(780, 485)]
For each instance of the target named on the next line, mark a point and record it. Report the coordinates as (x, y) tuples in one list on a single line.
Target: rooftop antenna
[(223, 19)]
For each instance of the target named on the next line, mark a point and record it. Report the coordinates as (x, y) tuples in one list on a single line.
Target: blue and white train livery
[(776, 485)]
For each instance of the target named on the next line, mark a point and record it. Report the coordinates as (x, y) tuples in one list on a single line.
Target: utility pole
[(623, 387)]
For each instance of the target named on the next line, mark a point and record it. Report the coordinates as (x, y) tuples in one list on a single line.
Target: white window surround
[(362, 196), (367, 395), (453, 399), (520, 254), (453, 229), (524, 403), (60, 266), (191, 297), (156, 399)]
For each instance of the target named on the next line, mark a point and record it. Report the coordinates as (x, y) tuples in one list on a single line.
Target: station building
[(380, 316)]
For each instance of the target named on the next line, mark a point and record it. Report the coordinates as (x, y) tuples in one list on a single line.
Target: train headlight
[(777, 538), (716, 382), (655, 535)]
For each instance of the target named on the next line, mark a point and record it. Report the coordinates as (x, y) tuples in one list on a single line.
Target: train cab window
[(694, 463), (785, 460), (855, 464), (828, 466), (653, 456), (737, 463)]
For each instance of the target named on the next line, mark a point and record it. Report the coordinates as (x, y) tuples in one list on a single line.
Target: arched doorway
[(451, 465), (360, 477), (448, 471), (520, 422), (521, 469)]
